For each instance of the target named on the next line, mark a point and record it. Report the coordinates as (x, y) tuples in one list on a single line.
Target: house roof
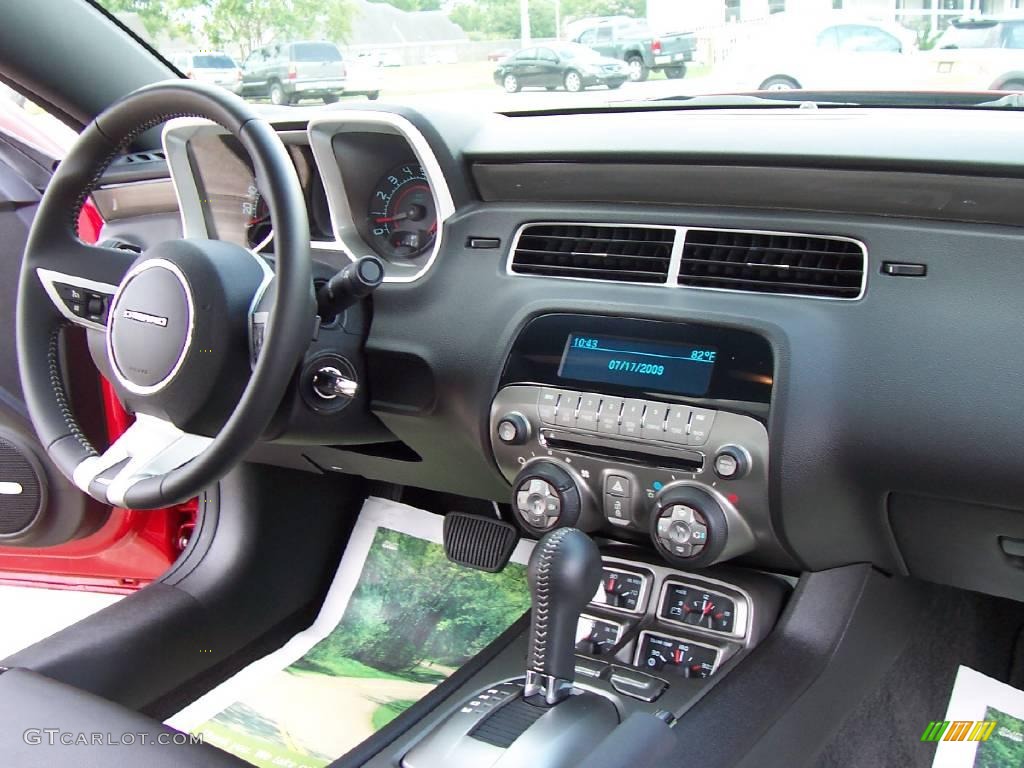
[(382, 24)]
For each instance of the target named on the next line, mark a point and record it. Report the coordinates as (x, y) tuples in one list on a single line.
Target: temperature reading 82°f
[(668, 366)]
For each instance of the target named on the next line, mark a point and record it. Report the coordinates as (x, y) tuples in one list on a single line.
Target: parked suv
[(980, 53), (289, 72), (211, 67)]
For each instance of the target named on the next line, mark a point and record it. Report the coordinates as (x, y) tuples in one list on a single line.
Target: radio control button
[(632, 418), (565, 414), (726, 466), (617, 485), (546, 403), (654, 421), (677, 424), (587, 416), (701, 421), (608, 417)]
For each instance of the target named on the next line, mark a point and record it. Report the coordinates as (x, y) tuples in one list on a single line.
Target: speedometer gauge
[(403, 216), (256, 215)]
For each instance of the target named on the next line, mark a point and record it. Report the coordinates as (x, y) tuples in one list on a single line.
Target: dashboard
[(790, 334)]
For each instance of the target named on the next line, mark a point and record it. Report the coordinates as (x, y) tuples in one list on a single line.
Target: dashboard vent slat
[(595, 252), (764, 262)]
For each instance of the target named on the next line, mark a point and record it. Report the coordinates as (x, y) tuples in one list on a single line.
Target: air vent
[(764, 262), (594, 252), (143, 157)]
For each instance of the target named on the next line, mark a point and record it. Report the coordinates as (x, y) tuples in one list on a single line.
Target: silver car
[(211, 67)]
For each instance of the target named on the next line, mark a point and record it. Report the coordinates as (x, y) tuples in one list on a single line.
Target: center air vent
[(803, 265), (595, 252)]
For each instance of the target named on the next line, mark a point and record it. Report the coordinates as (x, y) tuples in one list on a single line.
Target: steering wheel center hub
[(151, 323)]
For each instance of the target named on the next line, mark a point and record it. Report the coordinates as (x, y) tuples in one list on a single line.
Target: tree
[(154, 14), (499, 19), (248, 24), (412, 604), (412, 5), (581, 9)]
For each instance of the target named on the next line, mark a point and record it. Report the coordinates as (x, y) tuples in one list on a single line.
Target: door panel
[(38, 506), (51, 534)]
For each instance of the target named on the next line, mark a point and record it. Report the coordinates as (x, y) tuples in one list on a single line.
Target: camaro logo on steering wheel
[(142, 317)]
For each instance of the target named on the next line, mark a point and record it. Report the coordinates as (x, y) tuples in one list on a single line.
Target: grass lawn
[(436, 78), (346, 667), (385, 713)]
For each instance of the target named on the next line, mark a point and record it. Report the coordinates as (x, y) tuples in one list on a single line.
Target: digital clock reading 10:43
[(683, 369)]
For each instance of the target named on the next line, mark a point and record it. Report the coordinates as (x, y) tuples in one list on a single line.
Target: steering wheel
[(178, 320)]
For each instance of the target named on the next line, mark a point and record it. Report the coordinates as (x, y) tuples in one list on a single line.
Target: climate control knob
[(545, 496), (688, 526)]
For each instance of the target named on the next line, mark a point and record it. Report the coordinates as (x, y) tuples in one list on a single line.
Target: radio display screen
[(674, 367)]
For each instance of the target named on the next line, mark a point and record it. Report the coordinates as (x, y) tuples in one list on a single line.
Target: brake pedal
[(479, 542)]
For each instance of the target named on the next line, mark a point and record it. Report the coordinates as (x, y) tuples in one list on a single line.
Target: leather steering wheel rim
[(188, 463)]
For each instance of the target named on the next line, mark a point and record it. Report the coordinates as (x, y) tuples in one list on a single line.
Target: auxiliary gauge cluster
[(650, 629)]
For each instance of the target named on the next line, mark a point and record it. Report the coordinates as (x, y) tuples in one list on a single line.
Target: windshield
[(543, 55)]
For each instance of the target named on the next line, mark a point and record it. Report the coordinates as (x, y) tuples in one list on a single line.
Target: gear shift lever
[(564, 572)]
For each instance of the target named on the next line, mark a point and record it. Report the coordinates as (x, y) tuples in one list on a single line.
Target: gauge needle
[(708, 608), (389, 219)]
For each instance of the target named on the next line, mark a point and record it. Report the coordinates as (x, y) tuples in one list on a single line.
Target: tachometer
[(403, 216)]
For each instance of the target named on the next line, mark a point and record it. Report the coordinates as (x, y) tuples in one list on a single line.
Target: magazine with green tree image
[(413, 619), (1005, 747)]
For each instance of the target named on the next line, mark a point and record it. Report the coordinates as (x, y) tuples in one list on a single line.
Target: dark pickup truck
[(632, 41)]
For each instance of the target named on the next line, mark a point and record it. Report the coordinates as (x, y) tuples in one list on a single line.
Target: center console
[(645, 429), (644, 432)]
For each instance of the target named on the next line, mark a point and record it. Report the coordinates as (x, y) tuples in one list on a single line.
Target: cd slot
[(623, 451)]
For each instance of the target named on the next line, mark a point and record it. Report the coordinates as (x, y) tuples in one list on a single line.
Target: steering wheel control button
[(513, 429), (546, 404)]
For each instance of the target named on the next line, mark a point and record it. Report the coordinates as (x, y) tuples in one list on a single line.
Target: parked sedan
[(567, 65)]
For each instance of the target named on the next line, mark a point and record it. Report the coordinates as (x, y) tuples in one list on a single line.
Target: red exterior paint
[(132, 548)]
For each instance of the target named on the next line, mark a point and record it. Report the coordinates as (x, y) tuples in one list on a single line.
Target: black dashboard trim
[(939, 196)]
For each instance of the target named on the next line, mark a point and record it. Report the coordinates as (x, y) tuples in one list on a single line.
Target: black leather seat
[(47, 723)]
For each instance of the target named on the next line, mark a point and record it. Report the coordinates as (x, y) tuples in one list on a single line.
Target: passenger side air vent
[(595, 252), (802, 265)]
